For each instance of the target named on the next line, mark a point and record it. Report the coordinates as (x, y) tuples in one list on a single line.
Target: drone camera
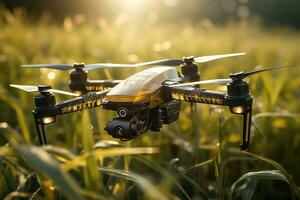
[(122, 112), (124, 128)]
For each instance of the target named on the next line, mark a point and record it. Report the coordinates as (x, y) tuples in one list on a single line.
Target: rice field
[(197, 157)]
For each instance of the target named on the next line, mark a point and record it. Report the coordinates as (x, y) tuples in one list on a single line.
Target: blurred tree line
[(282, 12)]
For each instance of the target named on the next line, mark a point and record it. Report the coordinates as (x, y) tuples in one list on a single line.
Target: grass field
[(196, 157)]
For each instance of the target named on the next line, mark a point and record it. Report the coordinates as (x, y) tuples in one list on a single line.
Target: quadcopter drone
[(144, 101)]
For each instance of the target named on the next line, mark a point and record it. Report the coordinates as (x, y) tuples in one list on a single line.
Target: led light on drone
[(237, 109)]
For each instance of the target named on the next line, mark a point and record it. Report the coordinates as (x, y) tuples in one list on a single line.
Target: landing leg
[(40, 129)]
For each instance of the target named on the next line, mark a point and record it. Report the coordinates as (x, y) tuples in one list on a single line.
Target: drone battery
[(171, 111)]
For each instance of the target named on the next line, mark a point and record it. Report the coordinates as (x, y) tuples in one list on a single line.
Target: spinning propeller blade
[(27, 88), (233, 77), (166, 62), (51, 66), (90, 67), (264, 69), (212, 81), (33, 88), (204, 59)]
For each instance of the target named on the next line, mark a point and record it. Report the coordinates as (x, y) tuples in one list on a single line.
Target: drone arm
[(237, 104), (44, 115), (90, 100), (86, 86), (198, 95), (100, 85)]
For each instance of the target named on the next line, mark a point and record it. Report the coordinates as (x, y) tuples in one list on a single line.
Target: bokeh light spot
[(3, 125), (132, 58), (51, 75), (243, 11), (243, 1), (171, 3), (228, 6), (133, 3)]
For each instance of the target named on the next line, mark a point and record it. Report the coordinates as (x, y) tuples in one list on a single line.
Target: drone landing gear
[(40, 128), (125, 128)]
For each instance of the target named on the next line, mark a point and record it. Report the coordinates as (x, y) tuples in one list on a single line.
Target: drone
[(144, 101)]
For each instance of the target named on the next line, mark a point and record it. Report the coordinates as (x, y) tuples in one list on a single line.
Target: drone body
[(140, 103), (146, 100), (144, 85)]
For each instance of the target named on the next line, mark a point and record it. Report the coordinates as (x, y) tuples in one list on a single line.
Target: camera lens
[(119, 131), (122, 112)]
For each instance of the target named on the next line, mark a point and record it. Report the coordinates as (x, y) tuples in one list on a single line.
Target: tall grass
[(76, 167)]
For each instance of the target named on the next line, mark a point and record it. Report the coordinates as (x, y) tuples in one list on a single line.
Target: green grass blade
[(22, 195), (60, 153), (90, 170), (11, 134), (202, 164), (43, 163), (110, 152), (142, 182), (279, 167), (14, 103), (163, 172)]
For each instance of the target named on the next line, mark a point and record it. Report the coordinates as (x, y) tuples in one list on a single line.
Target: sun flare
[(134, 4)]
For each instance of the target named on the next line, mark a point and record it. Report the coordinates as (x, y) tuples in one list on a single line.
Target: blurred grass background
[(180, 167)]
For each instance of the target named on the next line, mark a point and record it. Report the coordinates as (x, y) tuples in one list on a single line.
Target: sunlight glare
[(134, 4), (51, 75)]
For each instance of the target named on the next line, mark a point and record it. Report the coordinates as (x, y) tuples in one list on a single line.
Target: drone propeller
[(204, 59), (233, 77), (41, 88), (166, 62), (265, 69), (51, 66)]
